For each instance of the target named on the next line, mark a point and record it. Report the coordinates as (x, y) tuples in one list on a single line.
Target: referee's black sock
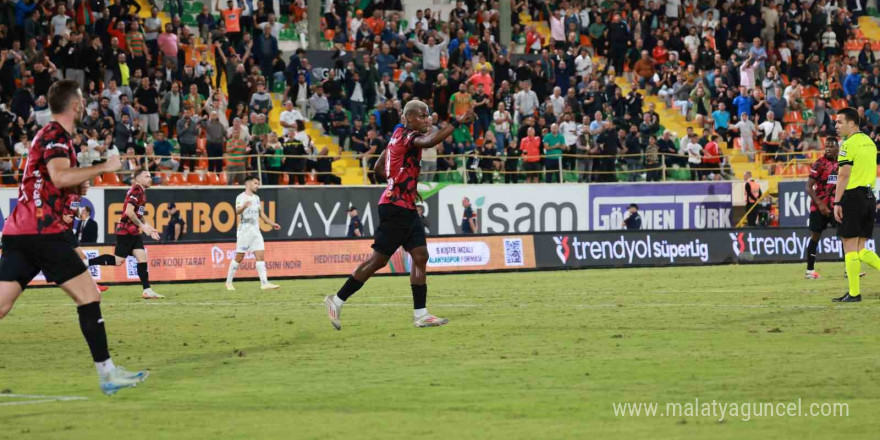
[(144, 275), (420, 295), (811, 254), (349, 288), (103, 260), (92, 326)]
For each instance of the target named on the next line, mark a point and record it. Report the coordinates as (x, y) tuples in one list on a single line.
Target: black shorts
[(71, 238), (24, 256), (859, 206), (532, 166), (125, 244), (398, 227), (819, 222)]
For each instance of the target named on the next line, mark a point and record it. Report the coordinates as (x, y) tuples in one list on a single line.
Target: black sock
[(420, 295), (103, 260), (144, 275), (349, 288), (92, 326), (811, 254)]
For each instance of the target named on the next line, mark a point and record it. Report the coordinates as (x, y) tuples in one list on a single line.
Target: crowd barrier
[(484, 253), (321, 212)]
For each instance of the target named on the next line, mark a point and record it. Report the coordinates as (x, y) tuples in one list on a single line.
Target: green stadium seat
[(193, 7), (189, 20), (287, 35)]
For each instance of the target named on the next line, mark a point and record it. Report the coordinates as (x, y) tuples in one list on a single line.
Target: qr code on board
[(513, 252), (94, 271)]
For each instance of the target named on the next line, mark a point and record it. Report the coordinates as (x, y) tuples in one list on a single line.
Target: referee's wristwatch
[(838, 203)]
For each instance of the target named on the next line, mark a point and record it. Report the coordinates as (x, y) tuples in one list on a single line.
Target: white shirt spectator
[(672, 8), (502, 127), (583, 65), (770, 130), (290, 117), (558, 103), (526, 102), (695, 153), (569, 130)]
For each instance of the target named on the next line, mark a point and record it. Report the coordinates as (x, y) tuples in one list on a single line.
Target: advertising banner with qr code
[(310, 258)]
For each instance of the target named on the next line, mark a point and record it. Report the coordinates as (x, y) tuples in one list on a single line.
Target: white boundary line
[(42, 399)]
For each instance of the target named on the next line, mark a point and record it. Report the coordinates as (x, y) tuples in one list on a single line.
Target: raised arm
[(435, 138)]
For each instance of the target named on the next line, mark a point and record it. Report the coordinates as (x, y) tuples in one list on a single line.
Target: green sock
[(870, 258), (853, 268)]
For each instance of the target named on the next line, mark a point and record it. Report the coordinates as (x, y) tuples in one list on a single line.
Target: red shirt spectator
[(660, 53), (711, 154), (531, 148)]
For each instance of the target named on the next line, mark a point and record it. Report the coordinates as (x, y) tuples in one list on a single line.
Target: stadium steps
[(345, 168), (870, 27)]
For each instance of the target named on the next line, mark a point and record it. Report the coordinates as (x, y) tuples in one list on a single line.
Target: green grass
[(525, 356)]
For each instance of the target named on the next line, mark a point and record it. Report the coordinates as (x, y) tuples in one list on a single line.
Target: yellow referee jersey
[(859, 151)]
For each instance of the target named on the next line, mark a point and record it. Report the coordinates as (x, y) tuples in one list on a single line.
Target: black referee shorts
[(24, 256), (819, 222), (398, 227), (125, 244), (859, 206)]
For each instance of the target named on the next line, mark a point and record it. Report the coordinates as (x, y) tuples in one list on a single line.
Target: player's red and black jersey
[(71, 207), (40, 203), (137, 197), (402, 167), (824, 173)]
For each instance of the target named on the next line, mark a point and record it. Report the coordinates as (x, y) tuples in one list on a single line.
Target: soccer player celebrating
[(399, 222), (854, 202), (128, 232), (248, 237), (33, 236), (820, 188)]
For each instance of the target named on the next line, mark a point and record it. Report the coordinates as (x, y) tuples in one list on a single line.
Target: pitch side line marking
[(42, 399)]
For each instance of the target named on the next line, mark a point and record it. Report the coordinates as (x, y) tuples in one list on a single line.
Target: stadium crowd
[(195, 94)]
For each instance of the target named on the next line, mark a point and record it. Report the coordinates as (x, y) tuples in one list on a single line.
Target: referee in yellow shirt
[(854, 202)]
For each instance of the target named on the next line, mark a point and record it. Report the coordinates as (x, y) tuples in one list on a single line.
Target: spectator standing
[(554, 143), (431, 54), (502, 120), (469, 218), (633, 220), (215, 137), (355, 227), (236, 150)]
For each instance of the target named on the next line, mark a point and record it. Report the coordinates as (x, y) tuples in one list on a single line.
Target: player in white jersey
[(249, 238)]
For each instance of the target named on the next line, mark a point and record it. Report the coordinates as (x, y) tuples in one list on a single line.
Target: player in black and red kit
[(820, 188), (34, 239), (399, 222), (128, 232)]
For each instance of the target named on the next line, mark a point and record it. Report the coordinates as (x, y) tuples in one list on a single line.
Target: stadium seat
[(793, 117), (803, 170), (797, 128), (311, 179), (111, 179), (195, 179), (176, 179), (284, 180), (98, 181), (202, 163), (212, 179), (201, 145), (164, 177), (778, 169)]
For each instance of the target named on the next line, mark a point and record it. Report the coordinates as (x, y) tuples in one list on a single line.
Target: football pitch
[(538, 355)]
